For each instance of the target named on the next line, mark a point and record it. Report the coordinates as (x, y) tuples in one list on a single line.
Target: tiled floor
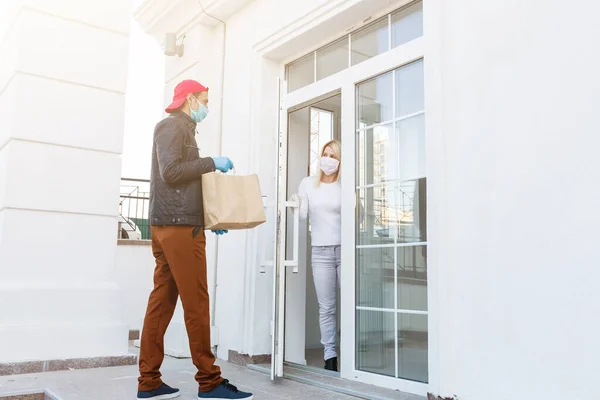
[(120, 383)]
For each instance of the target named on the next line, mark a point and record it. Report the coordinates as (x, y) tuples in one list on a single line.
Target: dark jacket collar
[(180, 115)]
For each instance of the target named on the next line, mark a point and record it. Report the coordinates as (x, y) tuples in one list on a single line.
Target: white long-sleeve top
[(324, 206)]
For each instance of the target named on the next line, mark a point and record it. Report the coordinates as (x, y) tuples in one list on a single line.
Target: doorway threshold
[(331, 381)]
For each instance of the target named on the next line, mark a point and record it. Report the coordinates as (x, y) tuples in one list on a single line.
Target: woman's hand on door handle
[(295, 199)]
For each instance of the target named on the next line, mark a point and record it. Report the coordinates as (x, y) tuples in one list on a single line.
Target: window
[(301, 72), (332, 59), (391, 251), (370, 41), (379, 36), (407, 24)]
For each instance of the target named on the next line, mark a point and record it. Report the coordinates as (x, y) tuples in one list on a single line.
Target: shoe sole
[(221, 398), (161, 397)]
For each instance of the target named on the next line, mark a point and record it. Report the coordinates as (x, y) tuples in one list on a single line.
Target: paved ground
[(120, 383)]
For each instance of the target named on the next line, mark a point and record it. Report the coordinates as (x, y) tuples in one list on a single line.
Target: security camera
[(171, 46)]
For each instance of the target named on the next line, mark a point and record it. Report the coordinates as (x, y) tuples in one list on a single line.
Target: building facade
[(469, 170)]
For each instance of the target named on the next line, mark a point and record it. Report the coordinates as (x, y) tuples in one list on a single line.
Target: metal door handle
[(295, 205)]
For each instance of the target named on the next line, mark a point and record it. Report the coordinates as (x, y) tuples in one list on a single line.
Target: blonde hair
[(337, 152)]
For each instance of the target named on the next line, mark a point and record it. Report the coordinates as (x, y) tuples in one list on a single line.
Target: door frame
[(344, 82)]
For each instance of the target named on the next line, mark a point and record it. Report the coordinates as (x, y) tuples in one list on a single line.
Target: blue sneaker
[(224, 391), (162, 393)]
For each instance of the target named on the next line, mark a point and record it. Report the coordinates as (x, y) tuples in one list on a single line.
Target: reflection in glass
[(410, 149), (370, 41), (375, 277), (411, 211), (386, 156), (332, 58), (412, 278), (412, 347), (376, 342), (410, 89), (378, 225), (407, 24), (376, 155), (375, 100), (396, 210)]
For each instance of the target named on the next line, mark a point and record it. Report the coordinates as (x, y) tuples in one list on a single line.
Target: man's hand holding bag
[(232, 202)]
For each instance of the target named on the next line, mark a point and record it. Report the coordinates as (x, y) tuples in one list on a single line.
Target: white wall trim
[(155, 17), (302, 24), (317, 17), (436, 179)]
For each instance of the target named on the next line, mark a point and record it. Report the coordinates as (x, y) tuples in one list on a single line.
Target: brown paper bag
[(232, 202)]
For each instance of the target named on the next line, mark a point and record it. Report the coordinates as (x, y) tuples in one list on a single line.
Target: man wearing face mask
[(179, 247)]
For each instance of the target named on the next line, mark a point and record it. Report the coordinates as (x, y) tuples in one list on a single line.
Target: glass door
[(391, 319), (281, 261), (384, 312), (304, 127)]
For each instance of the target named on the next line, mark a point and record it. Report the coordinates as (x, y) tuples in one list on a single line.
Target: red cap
[(181, 92)]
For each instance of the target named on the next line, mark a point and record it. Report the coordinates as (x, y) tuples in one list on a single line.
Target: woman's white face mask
[(329, 165)]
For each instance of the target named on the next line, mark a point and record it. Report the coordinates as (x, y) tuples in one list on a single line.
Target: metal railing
[(134, 207)]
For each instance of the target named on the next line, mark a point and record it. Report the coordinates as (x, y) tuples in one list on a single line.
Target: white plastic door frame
[(345, 82), (281, 262), (277, 320)]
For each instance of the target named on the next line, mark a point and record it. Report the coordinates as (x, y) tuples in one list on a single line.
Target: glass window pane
[(375, 342), (301, 73), (412, 347), (333, 58), (385, 156), (409, 144), (376, 219), (386, 216), (410, 89), (370, 41), (412, 278), (376, 154), (375, 98), (394, 213), (375, 277), (407, 24), (410, 209)]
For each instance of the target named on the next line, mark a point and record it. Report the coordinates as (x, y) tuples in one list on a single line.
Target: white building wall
[(134, 273), (61, 129), (513, 114)]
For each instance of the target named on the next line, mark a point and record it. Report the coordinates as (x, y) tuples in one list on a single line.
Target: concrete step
[(34, 395), (331, 381)]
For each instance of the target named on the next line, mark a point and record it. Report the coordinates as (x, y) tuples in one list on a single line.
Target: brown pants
[(180, 270)]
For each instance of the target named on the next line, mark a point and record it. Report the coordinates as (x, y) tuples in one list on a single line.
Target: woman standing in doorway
[(320, 197)]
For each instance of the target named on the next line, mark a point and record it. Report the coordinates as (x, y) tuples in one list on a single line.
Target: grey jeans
[(326, 266)]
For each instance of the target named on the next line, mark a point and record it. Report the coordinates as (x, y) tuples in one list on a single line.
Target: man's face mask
[(200, 113)]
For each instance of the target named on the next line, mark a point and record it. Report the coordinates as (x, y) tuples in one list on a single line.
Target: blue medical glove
[(219, 232), (223, 164)]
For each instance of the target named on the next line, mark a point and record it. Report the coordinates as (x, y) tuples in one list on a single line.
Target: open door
[(281, 262)]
